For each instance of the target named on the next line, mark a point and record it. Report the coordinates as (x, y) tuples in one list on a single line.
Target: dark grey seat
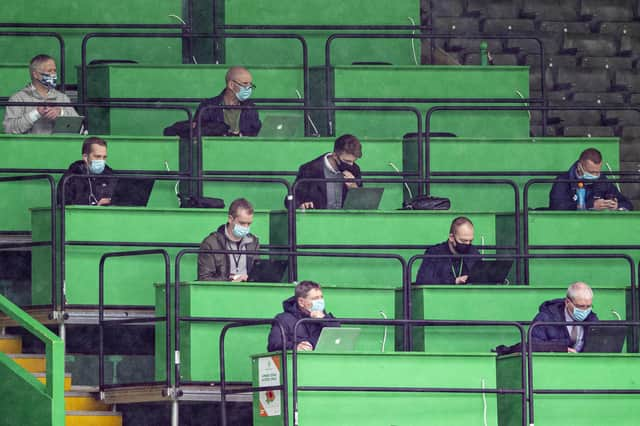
[(466, 45), (581, 79), (588, 131), (550, 10), (493, 8), (498, 59), (626, 80), (589, 118), (455, 25), (589, 44), (564, 27), (604, 98), (536, 131), (613, 63), (629, 45), (621, 117), (550, 41), (446, 8), (617, 28), (609, 10), (507, 26)]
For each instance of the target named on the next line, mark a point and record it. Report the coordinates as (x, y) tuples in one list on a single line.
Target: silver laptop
[(363, 199), (282, 126), (337, 339), (68, 124)]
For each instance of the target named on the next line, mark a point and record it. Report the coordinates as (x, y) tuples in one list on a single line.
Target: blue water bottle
[(582, 195)]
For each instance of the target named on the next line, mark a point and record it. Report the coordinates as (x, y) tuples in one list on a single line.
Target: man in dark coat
[(231, 122), (453, 269), (339, 164), (600, 193), (306, 303), (575, 307), (91, 188)]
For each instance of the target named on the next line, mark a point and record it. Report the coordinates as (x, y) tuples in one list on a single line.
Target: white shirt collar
[(328, 164)]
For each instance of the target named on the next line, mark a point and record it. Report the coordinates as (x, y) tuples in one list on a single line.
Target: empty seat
[(564, 27), (592, 98), (617, 28), (535, 79), (630, 144), (446, 8), (631, 190), (493, 8), (609, 10), (551, 43), (634, 98), (498, 59), (616, 63), (581, 79), (537, 131), (621, 117), (588, 131), (629, 45), (455, 25), (471, 45), (565, 10), (507, 26), (589, 44), (591, 118), (626, 80), (551, 61)]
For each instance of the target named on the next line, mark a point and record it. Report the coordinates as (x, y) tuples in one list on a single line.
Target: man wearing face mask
[(307, 302), (600, 194), (235, 236), (453, 269), (91, 188), (339, 164), (231, 122), (575, 308), (37, 119)]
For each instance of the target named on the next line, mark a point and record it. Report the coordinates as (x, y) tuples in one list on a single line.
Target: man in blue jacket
[(307, 302), (600, 193), (576, 308)]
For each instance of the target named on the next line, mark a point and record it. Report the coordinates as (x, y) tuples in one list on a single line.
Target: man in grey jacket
[(37, 119), (235, 236)]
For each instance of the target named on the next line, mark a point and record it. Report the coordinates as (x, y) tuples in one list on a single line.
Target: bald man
[(231, 122), (574, 308)]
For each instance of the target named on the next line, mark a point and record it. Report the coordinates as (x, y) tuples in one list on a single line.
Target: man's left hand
[(349, 183), (51, 113), (239, 278), (612, 204), (317, 314)]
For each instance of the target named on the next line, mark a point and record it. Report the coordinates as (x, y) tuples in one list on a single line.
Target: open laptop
[(363, 199), (268, 271), (68, 124), (337, 339), (490, 272), (282, 126), (132, 192), (605, 339)]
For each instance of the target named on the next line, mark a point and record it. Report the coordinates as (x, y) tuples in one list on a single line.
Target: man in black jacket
[(339, 164), (600, 193), (231, 122), (92, 188), (452, 269), (575, 307), (306, 303)]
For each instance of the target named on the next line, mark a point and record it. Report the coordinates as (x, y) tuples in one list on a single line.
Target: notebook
[(337, 339), (131, 192), (605, 339), (68, 124), (490, 272), (268, 271), (363, 199)]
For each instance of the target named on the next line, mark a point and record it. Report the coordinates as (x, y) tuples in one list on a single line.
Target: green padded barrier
[(128, 280), (572, 371), (382, 408), (177, 81), (358, 227), (278, 155), (317, 12), (58, 151), (583, 228), (503, 155), (159, 51), (199, 351), (432, 82), (491, 303)]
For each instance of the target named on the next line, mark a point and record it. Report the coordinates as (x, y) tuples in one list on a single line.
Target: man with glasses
[(20, 119), (600, 194), (453, 269), (574, 308), (231, 122), (339, 164)]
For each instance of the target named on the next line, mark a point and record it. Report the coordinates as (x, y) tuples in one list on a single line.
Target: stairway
[(82, 408)]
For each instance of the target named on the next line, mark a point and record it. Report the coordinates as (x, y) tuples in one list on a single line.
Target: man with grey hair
[(19, 119), (231, 122), (575, 308)]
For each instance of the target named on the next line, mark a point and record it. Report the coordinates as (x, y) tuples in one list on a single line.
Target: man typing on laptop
[(307, 302)]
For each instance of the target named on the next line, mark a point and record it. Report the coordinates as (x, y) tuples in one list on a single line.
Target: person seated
[(307, 302), (575, 307), (231, 122), (452, 269), (235, 236), (20, 119), (600, 193), (339, 164), (93, 189)]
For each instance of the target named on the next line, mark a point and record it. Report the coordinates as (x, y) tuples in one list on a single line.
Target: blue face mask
[(240, 231), (317, 305), (580, 314), (589, 176), (48, 80), (96, 166), (244, 93)]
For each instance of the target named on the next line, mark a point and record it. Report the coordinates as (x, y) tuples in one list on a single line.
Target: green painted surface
[(277, 155), (491, 303), (462, 155), (583, 228), (177, 81), (318, 12), (58, 151), (575, 371), (432, 82), (199, 353), (358, 227), (393, 370), (128, 280)]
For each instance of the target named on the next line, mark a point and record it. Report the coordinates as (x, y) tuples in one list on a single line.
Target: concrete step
[(93, 418), (34, 363), (10, 344), (42, 377)]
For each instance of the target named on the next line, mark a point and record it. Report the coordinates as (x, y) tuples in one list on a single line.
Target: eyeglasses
[(245, 86), (579, 306)]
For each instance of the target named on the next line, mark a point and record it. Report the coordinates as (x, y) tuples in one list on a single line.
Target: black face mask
[(345, 167), (463, 248)]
